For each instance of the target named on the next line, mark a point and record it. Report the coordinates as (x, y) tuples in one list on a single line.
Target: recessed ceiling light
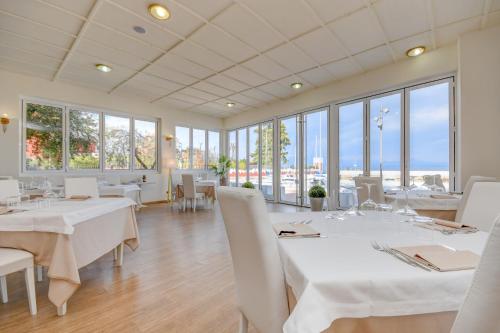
[(103, 68), (230, 104), (296, 85), (139, 29), (159, 12), (415, 51)]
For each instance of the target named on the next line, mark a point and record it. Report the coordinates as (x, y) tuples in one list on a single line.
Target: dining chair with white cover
[(8, 188), (81, 186), (260, 280), (468, 187), (479, 312), (13, 260), (434, 180), (377, 189), (482, 206), (189, 189)]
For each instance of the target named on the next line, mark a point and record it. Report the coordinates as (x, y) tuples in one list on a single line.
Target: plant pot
[(317, 204), (223, 181)]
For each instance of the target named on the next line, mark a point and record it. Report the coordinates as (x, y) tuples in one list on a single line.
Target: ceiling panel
[(317, 76), (29, 57), (29, 44), (26, 68), (187, 98), (333, 9), (447, 11), (201, 56), (377, 57), (402, 18), (212, 88), (207, 9), (156, 69), (343, 68), (450, 33), (266, 67), (291, 57), (174, 103), (401, 46), (258, 95), (228, 83), (180, 22), (245, 100), (80, 7), (176, 62), (291, 18), (244, 75), (287, 81), (359, 31), (276, 89), (321, 46), (222, 43), (153, 81), (248, 28), (198, 94), (119, 41), (135, 88), (36, 31), (43, 13), (123, 21)]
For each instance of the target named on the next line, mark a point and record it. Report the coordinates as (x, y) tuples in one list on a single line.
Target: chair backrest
[(8, 188), (483, 205), (188, 186), (436, 180), (479, 312), (468, 187), (81, 186), (260, 282), (377, 190)]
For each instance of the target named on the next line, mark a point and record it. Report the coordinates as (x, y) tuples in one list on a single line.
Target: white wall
[(479, 98), (13, 86), (431, 64)]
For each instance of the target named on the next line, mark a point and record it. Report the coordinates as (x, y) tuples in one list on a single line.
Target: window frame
[(190, 145), (67, 107)]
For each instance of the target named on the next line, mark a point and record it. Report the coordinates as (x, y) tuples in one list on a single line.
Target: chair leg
[(29, 276), (194, 204), (243, 324), (39, 273), (115, 253), (119, 249), (61, 310), (3, 287), (184, 204)]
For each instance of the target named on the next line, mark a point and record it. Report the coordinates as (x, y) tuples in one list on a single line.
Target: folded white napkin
[(287, 230)]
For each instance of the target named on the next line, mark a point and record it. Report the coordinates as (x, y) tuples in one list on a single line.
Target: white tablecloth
[(61, 216), (342, 276), (423, 200), (125, 190)]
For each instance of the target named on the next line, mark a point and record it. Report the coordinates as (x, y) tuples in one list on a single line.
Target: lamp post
[(380, 124)]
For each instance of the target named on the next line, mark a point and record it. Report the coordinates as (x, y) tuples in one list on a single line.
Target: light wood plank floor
[(179, 280)]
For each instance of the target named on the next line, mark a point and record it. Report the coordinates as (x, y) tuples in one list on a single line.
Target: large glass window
[(182, 144), (213, 147), (232, 157), (266, 140), (254, 155), (385, 139), (429, 111), (198, 149), (83, 140), (145, 145), (116, 143), (44, 137), (242, 156), (289, 168)]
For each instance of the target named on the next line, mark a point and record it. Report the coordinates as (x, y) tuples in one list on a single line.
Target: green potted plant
[(317, 195), (248, 185), (221, 169)]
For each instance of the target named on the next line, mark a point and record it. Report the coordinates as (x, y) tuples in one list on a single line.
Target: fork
[(388, 250)]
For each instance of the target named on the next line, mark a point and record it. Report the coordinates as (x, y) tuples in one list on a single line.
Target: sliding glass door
[(303, 155), (266, 160)]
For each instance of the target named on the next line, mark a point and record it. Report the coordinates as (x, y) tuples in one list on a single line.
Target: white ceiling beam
[(486, 10), (78, 38), (387, 43), (432, 21)]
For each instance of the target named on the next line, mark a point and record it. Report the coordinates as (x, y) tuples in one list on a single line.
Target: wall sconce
[(169, 138), (5, 121)]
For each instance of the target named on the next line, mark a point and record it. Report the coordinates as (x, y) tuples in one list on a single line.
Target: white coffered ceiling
[(214, 51)]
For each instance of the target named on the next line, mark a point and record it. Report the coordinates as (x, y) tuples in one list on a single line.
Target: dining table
[(435, 204), (205, 186), (339, 283), (132, 191), (65, 235)]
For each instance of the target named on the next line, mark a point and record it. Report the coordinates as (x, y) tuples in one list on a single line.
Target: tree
[(267, 146)]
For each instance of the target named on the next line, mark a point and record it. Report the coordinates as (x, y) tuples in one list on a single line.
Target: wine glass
[(353, 205), (406, 210), (368, 204)]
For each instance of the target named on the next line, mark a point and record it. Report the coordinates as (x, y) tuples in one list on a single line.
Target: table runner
[(61, 216), (343, 277)]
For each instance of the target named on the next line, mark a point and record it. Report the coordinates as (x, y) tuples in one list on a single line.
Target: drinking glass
[(406, 210), (369, 204)]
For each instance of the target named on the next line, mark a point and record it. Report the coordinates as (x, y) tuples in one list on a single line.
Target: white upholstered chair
[(479, 312), (483, 205), (468, 187), (189, 189), (8, 188), (260, 281), (377, 190), (11, 261), (434, 180), (81, 186)]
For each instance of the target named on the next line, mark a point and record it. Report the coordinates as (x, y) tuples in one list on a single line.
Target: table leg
[(61, 310), (119, 249), (39, 273), (115, 253), (3, 285)]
